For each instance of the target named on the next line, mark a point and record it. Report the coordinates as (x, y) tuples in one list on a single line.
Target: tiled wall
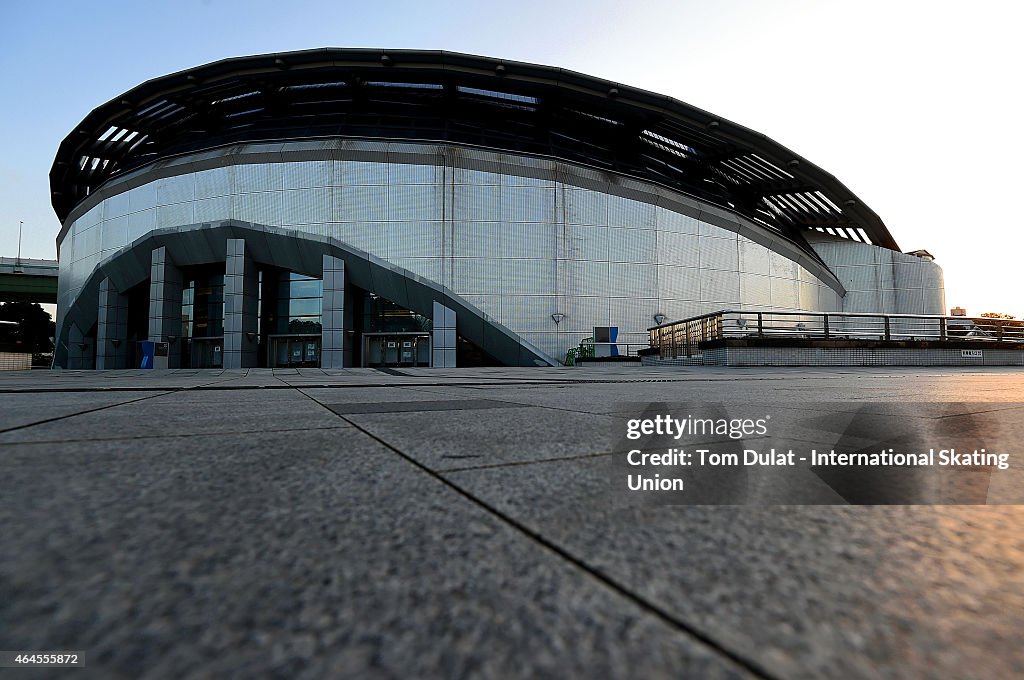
[(164, 301), (111, 328), (519, 248), (336, 316), (878, 280), (443, 342), (241, 307), (15, 361)]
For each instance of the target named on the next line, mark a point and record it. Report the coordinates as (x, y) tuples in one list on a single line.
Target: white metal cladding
[(520, 248), (878, 280)]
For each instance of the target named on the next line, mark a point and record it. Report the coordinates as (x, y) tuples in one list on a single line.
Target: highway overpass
[(28, 280)]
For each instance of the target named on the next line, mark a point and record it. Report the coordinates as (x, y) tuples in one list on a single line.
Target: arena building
[(341, 207)]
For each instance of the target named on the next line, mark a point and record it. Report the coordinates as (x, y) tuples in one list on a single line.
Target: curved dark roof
[(446, 96)]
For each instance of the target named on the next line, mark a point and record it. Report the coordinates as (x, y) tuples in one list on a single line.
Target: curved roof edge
[(447, 96)]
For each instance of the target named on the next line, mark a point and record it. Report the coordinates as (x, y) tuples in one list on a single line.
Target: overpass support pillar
[(111, 328)]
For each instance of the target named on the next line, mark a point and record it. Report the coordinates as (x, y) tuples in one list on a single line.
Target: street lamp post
[(17, 261)]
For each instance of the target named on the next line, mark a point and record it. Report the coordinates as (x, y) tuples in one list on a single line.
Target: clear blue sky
[(916, 106)]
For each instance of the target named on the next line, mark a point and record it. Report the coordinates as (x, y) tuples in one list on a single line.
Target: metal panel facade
[(521, 248), (883, 281)]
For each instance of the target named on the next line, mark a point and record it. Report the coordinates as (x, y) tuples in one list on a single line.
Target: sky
[(916, 107)]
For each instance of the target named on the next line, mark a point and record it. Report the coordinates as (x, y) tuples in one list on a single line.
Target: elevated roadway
[(28, 280)]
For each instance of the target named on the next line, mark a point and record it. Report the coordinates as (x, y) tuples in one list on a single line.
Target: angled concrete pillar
[(165, 304), (336, 316), (79, 348), (111, 328), (241, 307), (442, 346)]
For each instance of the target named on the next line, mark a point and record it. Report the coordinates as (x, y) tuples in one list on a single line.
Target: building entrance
[(385, 350), (205, 352), (294, 351)]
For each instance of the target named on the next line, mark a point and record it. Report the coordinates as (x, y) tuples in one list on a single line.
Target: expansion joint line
[(646, 605), (517, 404), (82, 413), (160, 392)]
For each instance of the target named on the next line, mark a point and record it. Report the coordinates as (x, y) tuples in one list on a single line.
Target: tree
[(36, 325)]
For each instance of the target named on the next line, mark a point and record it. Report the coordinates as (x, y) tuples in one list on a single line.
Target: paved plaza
[(452, 523)]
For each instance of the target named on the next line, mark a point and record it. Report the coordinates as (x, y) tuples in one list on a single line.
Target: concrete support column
[(241, 307), (165, 304), (443, 341), (335, 347), (111, 328)]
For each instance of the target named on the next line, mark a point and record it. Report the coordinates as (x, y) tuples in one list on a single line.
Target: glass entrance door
[(291, 351), (386, 350), (205, 352)]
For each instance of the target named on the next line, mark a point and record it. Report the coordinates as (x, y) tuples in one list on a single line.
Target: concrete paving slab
[(21, 409), (819, 591), (186, 412), (292, 543), (342, 394), (451, 438), (289, 555)]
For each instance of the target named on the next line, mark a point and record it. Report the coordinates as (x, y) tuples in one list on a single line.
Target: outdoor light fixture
[(659, 319), (116, 342), (557, 317), (251, 335), (172, 339)]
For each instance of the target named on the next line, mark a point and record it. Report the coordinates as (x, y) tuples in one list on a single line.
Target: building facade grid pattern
[(521, 249), (335, 349)]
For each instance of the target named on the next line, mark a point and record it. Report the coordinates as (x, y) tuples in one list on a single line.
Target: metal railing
[(589, 349), (683, 338)]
